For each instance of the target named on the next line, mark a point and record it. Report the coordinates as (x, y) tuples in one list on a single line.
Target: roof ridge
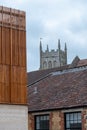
[(68, 70)]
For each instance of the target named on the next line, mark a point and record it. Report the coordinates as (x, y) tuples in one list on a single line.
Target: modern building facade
[(53, 58), (13, 90)]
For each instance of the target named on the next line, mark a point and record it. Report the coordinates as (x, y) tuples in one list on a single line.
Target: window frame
[(41, 116), (76, 121)]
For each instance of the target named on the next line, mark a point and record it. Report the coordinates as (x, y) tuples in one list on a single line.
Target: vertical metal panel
[(18, 85), (16, 47), (23, 85), (8, 46), (14, 89), (0, 46), (3, 46), (13, 47), (22, 51), (4, 84)]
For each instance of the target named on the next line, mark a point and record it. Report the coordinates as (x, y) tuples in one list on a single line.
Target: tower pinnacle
[(47, 48), (40, 44), (65, 53), (65, 47), (59, 46)]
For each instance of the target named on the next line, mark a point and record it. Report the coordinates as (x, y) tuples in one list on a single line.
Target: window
[(73, 121), (42, 122), (45, 65), (49, 64), (55, 63)]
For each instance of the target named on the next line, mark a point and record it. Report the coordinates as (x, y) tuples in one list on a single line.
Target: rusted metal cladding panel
[(18, 85), (12, 56), (18, 47), (22, 50), (0, 47), (4, 84), (5, 47), (15, 47)]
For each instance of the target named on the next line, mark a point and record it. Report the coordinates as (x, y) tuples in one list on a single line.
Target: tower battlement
[(53, 58)]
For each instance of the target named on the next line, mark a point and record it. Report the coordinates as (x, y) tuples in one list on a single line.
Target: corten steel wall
[(12, 56)]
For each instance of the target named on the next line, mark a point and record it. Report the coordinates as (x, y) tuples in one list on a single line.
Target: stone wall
[(53, 58), (84, 119), (57, 121)]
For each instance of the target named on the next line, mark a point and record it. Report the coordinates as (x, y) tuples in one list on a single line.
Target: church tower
[(53, 58), (13, 90)]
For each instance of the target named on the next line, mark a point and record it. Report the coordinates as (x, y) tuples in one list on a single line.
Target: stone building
[(57, 97), (53, 58)]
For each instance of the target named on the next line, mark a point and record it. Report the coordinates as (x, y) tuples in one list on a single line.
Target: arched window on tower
[(54, 63), (44, 65), (49, 64)]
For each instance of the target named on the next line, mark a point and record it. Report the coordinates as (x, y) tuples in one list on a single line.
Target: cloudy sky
[(52, 20)]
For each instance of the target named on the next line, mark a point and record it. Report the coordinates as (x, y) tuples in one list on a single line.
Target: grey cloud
[(53, 19)]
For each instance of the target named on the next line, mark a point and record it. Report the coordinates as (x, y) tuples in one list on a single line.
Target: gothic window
[(42, 122), (73, 121), (44, 65), (54, 63), (49, 64)]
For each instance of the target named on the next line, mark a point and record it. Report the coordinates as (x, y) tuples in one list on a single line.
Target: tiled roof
[(82, 62), (34, 76), (58, 91), (39, 74)]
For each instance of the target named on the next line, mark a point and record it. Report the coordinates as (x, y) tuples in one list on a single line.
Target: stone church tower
[(53, 58)]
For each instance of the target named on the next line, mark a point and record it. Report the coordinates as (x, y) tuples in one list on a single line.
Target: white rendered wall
[(13, 117)]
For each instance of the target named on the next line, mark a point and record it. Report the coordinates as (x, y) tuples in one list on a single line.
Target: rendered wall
[(13, 117)]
